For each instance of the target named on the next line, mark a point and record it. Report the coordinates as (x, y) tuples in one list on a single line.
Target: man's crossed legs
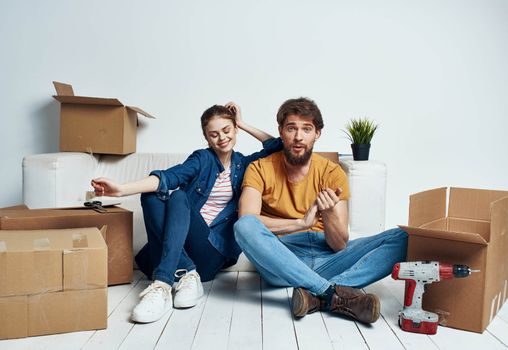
[(323, 279)]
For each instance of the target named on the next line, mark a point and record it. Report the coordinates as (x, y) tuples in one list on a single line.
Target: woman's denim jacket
[(196, 176)]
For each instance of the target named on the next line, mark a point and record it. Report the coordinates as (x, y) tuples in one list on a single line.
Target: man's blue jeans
[(177, 239), (305, 260)]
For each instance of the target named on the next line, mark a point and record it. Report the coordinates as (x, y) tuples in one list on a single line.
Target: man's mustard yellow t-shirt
[(288, 200)]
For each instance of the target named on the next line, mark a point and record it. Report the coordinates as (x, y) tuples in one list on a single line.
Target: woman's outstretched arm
[(107, 187)]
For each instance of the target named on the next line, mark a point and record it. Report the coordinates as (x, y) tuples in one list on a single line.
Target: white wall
[(433, 74)]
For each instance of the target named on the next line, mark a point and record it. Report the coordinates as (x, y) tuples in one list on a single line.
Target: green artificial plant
[(360, 131)]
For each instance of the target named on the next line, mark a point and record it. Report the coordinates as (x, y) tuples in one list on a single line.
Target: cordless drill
[(417, 274)]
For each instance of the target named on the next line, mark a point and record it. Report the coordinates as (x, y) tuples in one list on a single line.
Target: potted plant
[(360, 132)]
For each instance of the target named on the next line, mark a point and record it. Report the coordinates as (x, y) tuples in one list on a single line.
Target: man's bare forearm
[(336, 231), (282, 226)]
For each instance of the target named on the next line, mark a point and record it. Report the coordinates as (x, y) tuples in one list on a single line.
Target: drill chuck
[(460, 271)]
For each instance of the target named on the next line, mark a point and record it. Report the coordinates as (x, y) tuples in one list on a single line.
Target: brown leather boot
[(304, 303), (354, 303)]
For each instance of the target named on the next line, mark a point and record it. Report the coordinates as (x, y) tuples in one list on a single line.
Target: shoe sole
[(138, 319), (187, 304), (299, 303), (376, 310)]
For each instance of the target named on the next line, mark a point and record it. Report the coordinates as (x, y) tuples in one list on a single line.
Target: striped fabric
[(221, 194)]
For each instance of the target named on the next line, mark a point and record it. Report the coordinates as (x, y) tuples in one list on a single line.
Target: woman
[(190, 231)]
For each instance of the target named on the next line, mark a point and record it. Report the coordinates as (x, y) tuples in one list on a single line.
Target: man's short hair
[(304, 107)]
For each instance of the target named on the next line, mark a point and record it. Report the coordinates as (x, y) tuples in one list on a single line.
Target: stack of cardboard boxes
[(52, 281), (55, 264)]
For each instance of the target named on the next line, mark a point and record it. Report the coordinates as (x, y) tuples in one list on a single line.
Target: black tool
[(95, 205)]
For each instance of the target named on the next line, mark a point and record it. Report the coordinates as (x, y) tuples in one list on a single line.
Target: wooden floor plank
[(278, 328), (449, 338), (64, 341), (310, 330), (216, 319), (183, 324), (117, 293), (119, 324), (246, 330), (499, 329), (344, 334), (380, 335), (145, 336)]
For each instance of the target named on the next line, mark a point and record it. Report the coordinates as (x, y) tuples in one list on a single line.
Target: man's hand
[(311, 217), (335, 218), (327, 199)]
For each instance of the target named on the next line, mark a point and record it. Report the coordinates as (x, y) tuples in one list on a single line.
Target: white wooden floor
[(240, 312)]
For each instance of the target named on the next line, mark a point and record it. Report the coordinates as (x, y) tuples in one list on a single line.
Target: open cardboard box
[(96, 125), (474, 233), (52, 281)]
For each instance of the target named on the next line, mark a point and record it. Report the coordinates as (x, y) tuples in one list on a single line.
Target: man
[(294, 225)]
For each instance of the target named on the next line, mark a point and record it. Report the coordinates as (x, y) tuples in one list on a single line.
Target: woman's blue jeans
[(177, 239), (305, 260)]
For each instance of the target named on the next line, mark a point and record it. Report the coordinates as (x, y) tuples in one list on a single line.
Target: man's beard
[(297, 160)]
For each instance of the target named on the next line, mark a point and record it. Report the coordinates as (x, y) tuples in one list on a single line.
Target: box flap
[(30, 240), (63, 89), (11, 219), (82, 100), (472, 203), (452, 236), (499, 220), (140, 111), (427, 206)]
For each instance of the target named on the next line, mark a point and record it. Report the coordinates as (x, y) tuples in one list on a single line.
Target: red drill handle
[(410, 285)]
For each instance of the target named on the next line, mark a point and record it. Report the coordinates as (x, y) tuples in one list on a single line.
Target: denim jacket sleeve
[(269, 146), (177, 175)]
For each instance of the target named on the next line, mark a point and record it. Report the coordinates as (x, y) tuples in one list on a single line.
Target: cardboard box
[(52, 281), (14, 317), (118, 237), (42, 261), (472, 233), (96, 125), (50, 313), (69, 311)]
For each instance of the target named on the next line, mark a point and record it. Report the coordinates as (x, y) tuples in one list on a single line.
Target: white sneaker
[(155, 302), (188, 290)]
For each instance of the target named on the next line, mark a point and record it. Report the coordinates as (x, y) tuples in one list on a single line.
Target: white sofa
[(58, 180)]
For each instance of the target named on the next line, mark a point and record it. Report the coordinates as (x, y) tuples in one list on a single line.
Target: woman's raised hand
[(257, 133), (237, 112), (106, 187)]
